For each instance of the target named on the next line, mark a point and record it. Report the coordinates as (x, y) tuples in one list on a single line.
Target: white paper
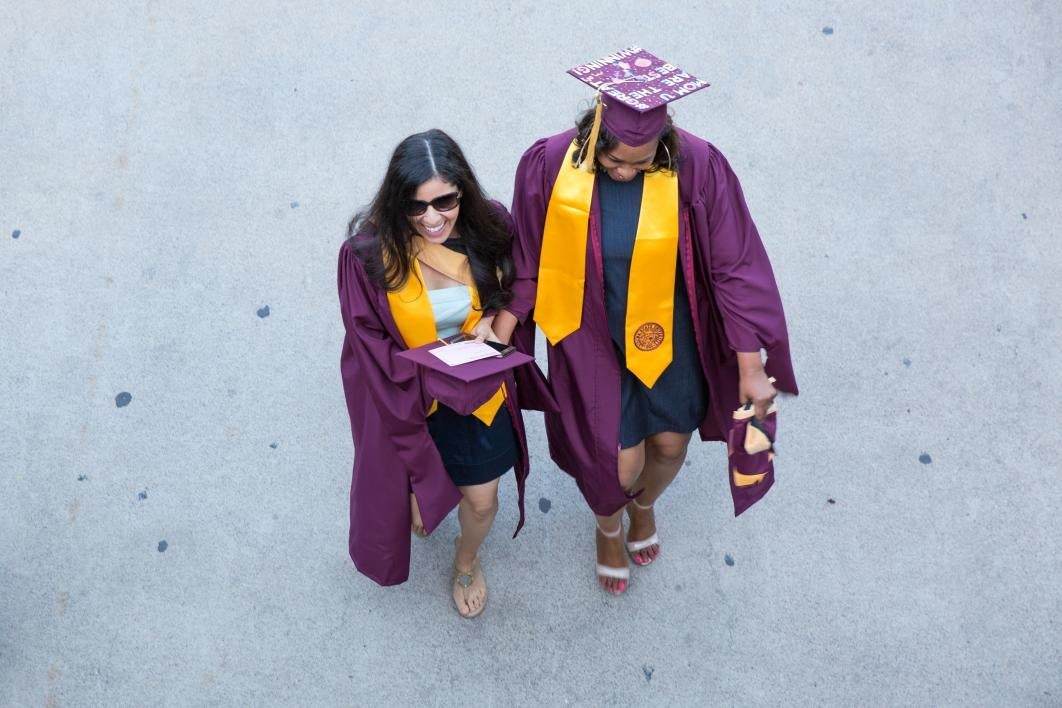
[(463, 352)]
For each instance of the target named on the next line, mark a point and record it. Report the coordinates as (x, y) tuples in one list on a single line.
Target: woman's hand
[(503, 326), (754, 385), (483, 330)]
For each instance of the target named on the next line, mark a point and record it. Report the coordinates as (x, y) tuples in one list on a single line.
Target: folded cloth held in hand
[(750, 447)]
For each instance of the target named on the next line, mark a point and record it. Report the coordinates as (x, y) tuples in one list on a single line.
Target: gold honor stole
[(412, 311), (651, 289)]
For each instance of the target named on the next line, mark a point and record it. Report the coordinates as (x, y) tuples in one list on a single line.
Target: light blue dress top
[(451, 307)]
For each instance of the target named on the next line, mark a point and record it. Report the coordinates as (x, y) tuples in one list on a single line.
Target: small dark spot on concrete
[(647, 671), (999, 328), (908, 410), (82, 477), (122, 399), (1023, 215), (678, 588), (142, 495), (163, 546), (907, 362), (687, 463), (263, 312), (16, 233), (544, 505), (276, 516), (274, 445), (728, 559), (924, 458), (886, 373), (827, 30), (825, 255), (831, 500), (294, 205)]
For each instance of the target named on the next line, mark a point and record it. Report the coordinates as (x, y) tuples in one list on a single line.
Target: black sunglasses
[(447, 202)]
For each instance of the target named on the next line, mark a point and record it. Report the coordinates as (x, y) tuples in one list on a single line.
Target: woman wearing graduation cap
[(428, 258), (638, 258)]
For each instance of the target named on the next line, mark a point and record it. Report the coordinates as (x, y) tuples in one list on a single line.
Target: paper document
[(464, 352)]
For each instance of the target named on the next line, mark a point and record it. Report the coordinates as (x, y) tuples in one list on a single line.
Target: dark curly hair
[(668, 150), (387, 255)]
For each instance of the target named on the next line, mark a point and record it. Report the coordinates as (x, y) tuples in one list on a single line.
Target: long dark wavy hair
[(667, 144), (388, 255)]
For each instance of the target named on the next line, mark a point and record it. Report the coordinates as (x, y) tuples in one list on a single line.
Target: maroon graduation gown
[(388, 398), (733, 298)]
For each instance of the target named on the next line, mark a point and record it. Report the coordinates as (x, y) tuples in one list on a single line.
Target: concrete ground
[(174, 449)]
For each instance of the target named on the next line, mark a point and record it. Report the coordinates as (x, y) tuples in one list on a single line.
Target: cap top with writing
[(635, 88)]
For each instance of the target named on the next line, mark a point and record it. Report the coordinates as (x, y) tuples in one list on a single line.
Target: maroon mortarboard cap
[(750, 447), (465, 373), (635, 88)]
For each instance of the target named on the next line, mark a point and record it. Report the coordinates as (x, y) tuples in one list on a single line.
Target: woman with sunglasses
[(637, 257), (428, 258)]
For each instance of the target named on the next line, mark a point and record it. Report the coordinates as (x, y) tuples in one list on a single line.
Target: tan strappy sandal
[(465, 578)]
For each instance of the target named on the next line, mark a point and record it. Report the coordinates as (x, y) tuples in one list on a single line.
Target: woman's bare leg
[(417, 523), (475, 513), (610, 551), (664, 455)]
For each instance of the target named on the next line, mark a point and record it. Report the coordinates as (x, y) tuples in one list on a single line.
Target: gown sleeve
[(385, 395), (743, 284), (530, 199)]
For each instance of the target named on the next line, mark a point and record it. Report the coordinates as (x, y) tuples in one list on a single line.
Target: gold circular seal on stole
[(649, 336)]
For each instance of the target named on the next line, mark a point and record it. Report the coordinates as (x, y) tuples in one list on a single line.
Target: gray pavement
[(171, 170)]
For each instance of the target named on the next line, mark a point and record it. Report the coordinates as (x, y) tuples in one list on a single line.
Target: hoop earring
[(669, 169)]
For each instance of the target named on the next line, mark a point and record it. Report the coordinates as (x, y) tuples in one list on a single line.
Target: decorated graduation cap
[(634, 88)]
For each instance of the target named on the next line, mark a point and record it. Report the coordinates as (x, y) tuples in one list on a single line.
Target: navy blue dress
[(679, 400)]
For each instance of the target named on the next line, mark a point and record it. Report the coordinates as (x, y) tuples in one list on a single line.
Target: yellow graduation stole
[(651, 290), (412, 311)]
